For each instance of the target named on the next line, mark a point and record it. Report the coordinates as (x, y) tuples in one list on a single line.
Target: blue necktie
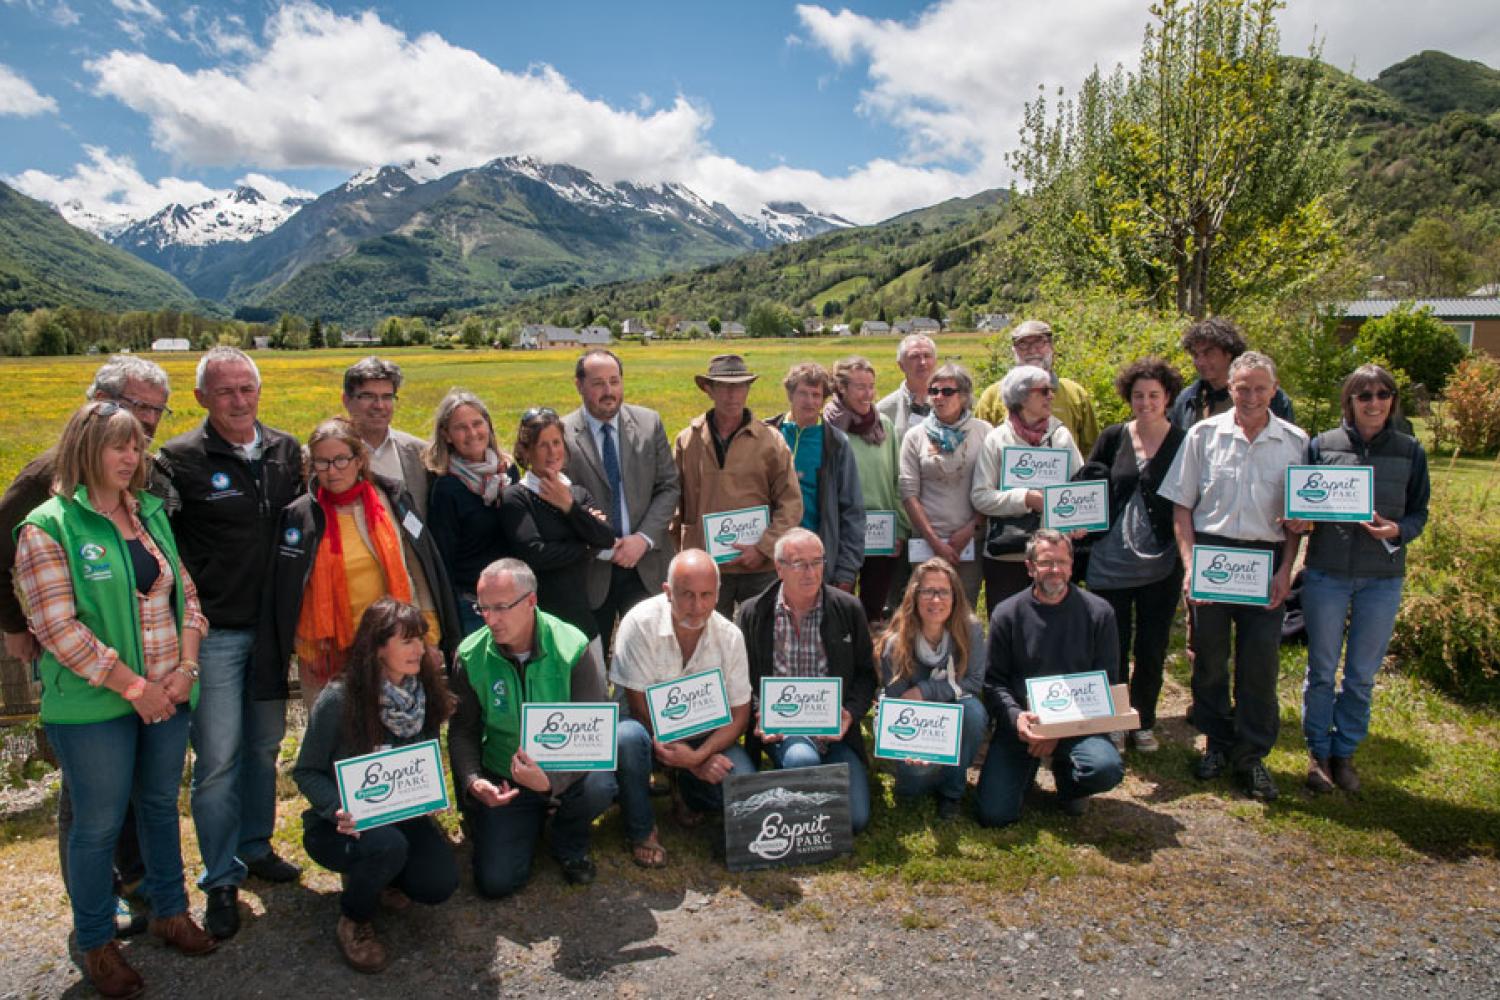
[(612, 470)]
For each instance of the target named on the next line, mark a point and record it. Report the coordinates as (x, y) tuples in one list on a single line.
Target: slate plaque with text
[(778, 818)]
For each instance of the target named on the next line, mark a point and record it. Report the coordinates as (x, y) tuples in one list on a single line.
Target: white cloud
[(18, 97), (1370, 35), (108, 191), (143, 9), (58, 13)]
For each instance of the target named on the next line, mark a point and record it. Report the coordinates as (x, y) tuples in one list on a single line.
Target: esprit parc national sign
[(388, 786), (1231, 575), (1330, 492), (1032, 468), (794, 817)]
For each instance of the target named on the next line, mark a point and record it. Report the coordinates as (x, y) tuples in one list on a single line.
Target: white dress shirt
[(1234, 486), (646, 651)]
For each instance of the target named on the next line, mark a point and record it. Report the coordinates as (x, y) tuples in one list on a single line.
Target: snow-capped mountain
[(238, 215), (792, 221)]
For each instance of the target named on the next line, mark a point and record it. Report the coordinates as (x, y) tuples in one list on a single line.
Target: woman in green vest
[(119, 624)]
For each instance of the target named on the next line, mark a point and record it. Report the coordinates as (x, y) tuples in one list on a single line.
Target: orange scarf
[(325, 628)]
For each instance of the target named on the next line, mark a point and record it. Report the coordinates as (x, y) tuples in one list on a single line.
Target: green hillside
[(45, 262), (1436, 83)]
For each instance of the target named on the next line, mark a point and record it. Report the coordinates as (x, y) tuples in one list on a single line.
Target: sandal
[(649, 853)]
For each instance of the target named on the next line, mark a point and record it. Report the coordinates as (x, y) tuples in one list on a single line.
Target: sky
[(865, 110)]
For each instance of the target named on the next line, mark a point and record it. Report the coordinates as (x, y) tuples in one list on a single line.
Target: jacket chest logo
[(219, 480), (94, 566), (499, 694)]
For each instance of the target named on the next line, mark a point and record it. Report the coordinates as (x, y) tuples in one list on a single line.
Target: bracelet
[(189, 669), (135, 689)]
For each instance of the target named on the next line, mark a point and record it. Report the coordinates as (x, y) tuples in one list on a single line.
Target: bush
[(1414, 341), (1468, 419)]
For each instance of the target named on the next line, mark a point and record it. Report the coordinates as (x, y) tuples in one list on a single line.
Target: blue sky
[(125, 105)]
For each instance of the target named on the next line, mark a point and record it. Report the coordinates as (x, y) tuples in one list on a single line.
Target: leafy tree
[(769, 319), (315, 336), (1430, 260), (472, 332), (392, 333), (715, 327), (1415, 341)]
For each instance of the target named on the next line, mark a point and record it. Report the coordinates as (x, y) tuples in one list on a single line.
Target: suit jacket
[(414, 474), (651, 488)]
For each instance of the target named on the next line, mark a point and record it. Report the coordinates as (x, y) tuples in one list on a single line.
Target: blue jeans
[(235, 743), (1084, 765), (505, 837), (800, 751), (1334, 724), (108, 765), (634, 775), (414, 856), (913, 779)]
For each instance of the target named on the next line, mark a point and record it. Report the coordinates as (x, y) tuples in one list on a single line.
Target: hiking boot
[(1317, 774), (1343, 773), (1144, 740), (1258, 782), (1212, 764), (578, 871), (273, 868), (222, 914), (360, 947), (110, 974), (182, 933)]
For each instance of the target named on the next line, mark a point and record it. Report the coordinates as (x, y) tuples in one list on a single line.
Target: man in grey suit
[(370, 391), (620, 454)]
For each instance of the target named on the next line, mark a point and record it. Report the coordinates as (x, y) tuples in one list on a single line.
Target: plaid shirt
[(798, 645), (47, 591)]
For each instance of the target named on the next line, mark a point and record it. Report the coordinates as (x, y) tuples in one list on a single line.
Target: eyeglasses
[(801, 565), (136, 404), (944, 391), (935, 594), (538, 412), (1053, 563), (375, 397), (340, 462), (105, 409), (484, 610), (1044, 389), (1368, 395)]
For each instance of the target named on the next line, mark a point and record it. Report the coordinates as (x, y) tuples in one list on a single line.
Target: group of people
[(415, 582)]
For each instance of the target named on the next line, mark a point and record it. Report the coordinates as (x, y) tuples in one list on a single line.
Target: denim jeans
[(235, 744), (949, 782), (109, 765), (1335, 723), (634, 776), (801, 751), (1245, 728), (505, 837), (1143, 621), (1084, 765), (414, 856)]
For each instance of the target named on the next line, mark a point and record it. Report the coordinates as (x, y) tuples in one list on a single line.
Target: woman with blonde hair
[(933, 650)]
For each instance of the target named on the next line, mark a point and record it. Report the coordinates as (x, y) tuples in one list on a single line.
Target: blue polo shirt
[(807, 455)]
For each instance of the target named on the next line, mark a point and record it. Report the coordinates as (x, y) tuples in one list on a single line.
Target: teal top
[(806, 444)]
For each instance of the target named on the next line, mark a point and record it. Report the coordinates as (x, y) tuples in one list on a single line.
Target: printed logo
[(908, 726), (219, 480), (1064, 506), (292, 536), (787, 705), (1057, 697), (557, 732), (498, 693), (380, 782), (91, 551), (676, 706), (776, 839), (1317, 488)]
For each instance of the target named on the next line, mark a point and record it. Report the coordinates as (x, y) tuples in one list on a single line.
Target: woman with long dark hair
[(391, 694)]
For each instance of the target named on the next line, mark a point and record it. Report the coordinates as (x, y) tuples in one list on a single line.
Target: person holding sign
[(675, 634), (1051, 628), (877, 456), (391, 694), (1227, 483), (525, 655), (937, 466), (1009, 476), (1351, 589), (731, 462), (1135, 565), (934, 650), (800, 627)]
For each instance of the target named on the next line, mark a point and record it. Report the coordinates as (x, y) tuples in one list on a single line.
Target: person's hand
[(629, 550), (943, 550), (1296, 525), (750, 559), (899, 549), (1036, 744), (554, 492), (714, 769), (764, 736), (154, 704), (678, 755), (345, 823), (22, 646), (1077, 533), (961, 539), (845, 721), (1187, 590), (912, 693), (1381, 527), (1034, 500), (1281, 585), (177, 686), (525, 772), (488, 793)]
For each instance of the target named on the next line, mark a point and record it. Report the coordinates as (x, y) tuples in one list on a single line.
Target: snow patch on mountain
[(791, 221), (238, 215)]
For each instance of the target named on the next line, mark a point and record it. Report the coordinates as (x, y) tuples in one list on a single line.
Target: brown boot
[(1344, 774), (361, 948), (183, 933), (111, 975), (1317, 775)]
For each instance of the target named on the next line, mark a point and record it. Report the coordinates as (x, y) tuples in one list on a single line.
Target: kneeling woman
[(391, 694)]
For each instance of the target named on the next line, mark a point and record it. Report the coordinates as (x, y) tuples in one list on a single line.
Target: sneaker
[(947, 809), (132, 914), (1118, 739), (578, 871), (110, 974), (1259, 783), (360, 947), (182, 933), (1212, 764), (1074, 807), (1343, 773), (1144, 740), (1317, 774), (222, 914), (273, 868)]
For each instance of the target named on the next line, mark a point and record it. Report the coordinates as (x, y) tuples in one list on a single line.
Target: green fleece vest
[(104, 597), (502, 687)]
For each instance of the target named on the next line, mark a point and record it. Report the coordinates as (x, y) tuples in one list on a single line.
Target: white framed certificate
[(880, 532), (726, 529), (570, 736), (918, 730), (1231, 576), (1330, 492), (1032, 468), (1070, 697), (388, 786), (802, 706), (918, 551), (688, 705), (1076, 506)]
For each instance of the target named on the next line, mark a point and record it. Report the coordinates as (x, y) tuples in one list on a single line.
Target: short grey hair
[(959, 376), (1046, 536), (222, 355), (110, 379), (682, 557), (1018, 382), (371, 369), (1250, 360), (520, 574), (910, 339), (792, 537)]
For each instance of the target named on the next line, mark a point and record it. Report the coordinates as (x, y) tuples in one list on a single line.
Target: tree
[(315, 338), (1202, 180), (769, 319), (1429, 259), (1415, 341), (472, 332), (715, 326)]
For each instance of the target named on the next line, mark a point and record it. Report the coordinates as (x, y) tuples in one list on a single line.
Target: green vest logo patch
[(94, 566)]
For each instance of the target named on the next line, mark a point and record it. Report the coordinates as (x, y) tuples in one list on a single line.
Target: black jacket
[(299, 532), (846, 643), (226, 526), (558, 548), (1113, 459)]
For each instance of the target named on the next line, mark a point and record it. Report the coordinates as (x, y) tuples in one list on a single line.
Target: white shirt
[(646, 651), (1234, 486), (386, 460)]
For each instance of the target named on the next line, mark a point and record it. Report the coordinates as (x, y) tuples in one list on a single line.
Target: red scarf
[(1032, 434)]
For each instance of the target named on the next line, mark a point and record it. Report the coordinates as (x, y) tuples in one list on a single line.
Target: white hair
[(111, 377), (792, 537), (910, 339), (219, 356)]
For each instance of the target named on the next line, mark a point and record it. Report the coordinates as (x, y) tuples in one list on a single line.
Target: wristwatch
[(189, 668)]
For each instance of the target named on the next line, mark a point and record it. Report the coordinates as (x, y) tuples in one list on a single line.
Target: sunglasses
[(944, 391), (1044, 389), (537, 413), (1368, 395)]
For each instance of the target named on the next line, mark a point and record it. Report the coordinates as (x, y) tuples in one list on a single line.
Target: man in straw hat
[(730, 461)]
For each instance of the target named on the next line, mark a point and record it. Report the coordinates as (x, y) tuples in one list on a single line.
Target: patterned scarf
[(403, 707), (946, 437), (869, 428), (1032, 434), (487, 478)]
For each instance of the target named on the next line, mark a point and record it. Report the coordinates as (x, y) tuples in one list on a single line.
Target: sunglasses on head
[(944, 391), (537, 413), (1372, 394)]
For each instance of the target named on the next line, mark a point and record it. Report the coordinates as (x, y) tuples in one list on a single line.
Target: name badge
[(918, 730), (722, 531), (688, 705), (880, 532), (413, 525), (918, 551), (1070, 697), (1330, 492), (802, 706), (570, 736), (388, 786), (1076, 506), (1032, 468), (1231, 576)]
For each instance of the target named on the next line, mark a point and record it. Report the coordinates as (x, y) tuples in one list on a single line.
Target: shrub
[(1468, 419), (1415, 341)]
